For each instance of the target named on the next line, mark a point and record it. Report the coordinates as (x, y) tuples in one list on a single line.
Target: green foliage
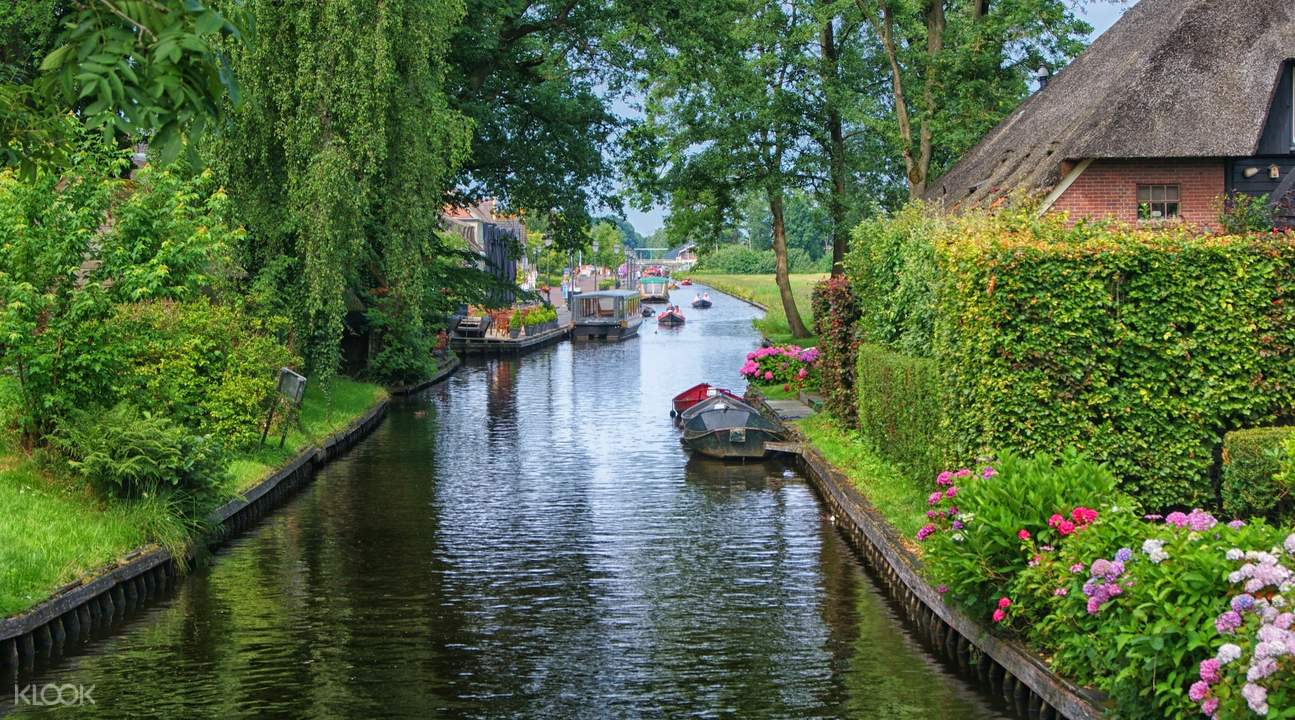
[(977, 562), (1141, 348), (836, 311), (211, 368), (742, 260), (155, 69), (126, 453), (338, 161), (1240, 214), (1252, 463), (899, 408), (892, 267)]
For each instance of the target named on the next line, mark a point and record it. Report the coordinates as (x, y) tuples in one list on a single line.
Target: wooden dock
[(495, 344)]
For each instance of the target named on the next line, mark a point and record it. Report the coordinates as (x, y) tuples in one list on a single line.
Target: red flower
[(1024, 534)]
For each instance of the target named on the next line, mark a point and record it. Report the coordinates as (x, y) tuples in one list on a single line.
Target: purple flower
[(1227, 622), (926, 532), (1200, 521), (988, 473), (1237, 524), (1123, 555), (1176, 519), (957, 525), (1256, 697), (1243, 602)]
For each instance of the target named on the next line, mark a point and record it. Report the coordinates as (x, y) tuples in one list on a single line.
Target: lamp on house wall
[(1250, 172), (1274, 172)]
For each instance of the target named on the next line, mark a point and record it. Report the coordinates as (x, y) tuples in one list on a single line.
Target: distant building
[(1178, 104), (684, 254), (500, 240)]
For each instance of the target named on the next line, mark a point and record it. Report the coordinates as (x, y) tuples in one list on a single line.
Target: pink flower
[(926, 532), (1023, 534), (768, 375), (1198, 691), (988, 473), (964, 472), (1061, 592), (1210, 706), (999, 615), (1083, 515), (1004, 603), (1210, 671), (1065, 527), (935, 498), (802, 374), (942, 589), (951, 492), (1055, 520), (1077, 568), (945, 478)]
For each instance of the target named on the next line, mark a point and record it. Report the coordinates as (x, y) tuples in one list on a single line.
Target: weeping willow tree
[(338, 158)]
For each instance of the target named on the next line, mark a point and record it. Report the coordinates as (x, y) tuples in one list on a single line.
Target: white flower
[(1235, 554), (1154, 550), (1228, 652), (1289, 544)]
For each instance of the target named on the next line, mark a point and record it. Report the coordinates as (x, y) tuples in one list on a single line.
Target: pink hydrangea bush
[(786, 365)]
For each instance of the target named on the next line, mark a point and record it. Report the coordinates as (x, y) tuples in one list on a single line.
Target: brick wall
[(1110, 188)]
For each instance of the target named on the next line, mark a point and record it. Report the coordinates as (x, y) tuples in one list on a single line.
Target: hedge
[(1139, 348), (1252, 460), (899, 409)]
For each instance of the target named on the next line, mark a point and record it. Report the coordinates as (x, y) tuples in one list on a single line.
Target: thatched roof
[(1170, 79)]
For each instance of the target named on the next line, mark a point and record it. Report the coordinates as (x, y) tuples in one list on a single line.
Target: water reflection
[(530, 540)]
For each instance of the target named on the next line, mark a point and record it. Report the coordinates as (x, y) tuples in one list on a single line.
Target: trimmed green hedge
[(899, 409), (1252, 460), (1138, 348)]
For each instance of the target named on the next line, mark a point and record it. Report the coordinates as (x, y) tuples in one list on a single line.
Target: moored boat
[(696, 394), (611, 315), (726, 428)]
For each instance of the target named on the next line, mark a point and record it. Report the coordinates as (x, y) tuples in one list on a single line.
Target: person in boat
[(706, 297), (697, 297)]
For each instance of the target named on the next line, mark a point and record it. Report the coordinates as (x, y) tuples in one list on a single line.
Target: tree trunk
[(794, 322), (836, 148)]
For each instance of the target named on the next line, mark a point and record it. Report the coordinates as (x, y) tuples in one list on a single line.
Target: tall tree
[(339, 159), (957, 67), (727, 107), (530, 75)]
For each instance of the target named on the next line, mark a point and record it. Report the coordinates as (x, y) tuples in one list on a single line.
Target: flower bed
[(788, 366), (1171, 616)]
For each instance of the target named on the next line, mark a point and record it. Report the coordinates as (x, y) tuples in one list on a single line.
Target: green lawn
[(55, 530), (895, 495), (762, 289)]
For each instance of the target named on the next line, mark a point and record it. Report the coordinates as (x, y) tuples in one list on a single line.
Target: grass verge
[(891, 492), (56, 530), (763, 290)]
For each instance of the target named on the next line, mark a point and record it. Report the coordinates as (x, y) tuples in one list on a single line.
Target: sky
[(1101, 15)]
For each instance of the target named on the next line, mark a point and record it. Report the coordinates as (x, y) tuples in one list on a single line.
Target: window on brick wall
[(1158, 202)]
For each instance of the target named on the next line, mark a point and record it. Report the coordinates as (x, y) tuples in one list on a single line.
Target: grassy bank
[(892, 493), (763, 290), (55, 530)]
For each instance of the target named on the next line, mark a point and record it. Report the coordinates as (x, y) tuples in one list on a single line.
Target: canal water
[(529, 540)]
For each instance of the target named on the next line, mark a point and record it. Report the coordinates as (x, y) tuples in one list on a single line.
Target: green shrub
[(210, 367), (126, 453), (1139, 348), (1252, 462), (973, 546), (899, 409), (835, 313), (742, 260), (892, 268), (1240, 213)]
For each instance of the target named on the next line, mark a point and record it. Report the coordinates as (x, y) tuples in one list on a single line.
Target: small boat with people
[(689, 398), (727, 428), (671, 316), (611, 315), (686, 282), (702, 301)]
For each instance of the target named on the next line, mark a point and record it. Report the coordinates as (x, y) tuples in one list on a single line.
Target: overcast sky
[(1100, 14)]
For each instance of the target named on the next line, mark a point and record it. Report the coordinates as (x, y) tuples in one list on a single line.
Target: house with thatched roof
[(1179, 103)]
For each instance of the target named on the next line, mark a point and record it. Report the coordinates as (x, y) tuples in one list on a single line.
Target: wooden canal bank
[(87, 609), (1006, 669)]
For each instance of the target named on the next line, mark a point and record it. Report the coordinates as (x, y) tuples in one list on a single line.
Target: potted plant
[(515, 323)]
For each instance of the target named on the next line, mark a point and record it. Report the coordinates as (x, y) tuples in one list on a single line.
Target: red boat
[(670, 317), (685, 282), (696, 394)]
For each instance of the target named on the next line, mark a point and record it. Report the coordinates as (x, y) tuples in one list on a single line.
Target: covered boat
[(723, 427), (606, 315), (670, 317), (695, 394), (653, 289)]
